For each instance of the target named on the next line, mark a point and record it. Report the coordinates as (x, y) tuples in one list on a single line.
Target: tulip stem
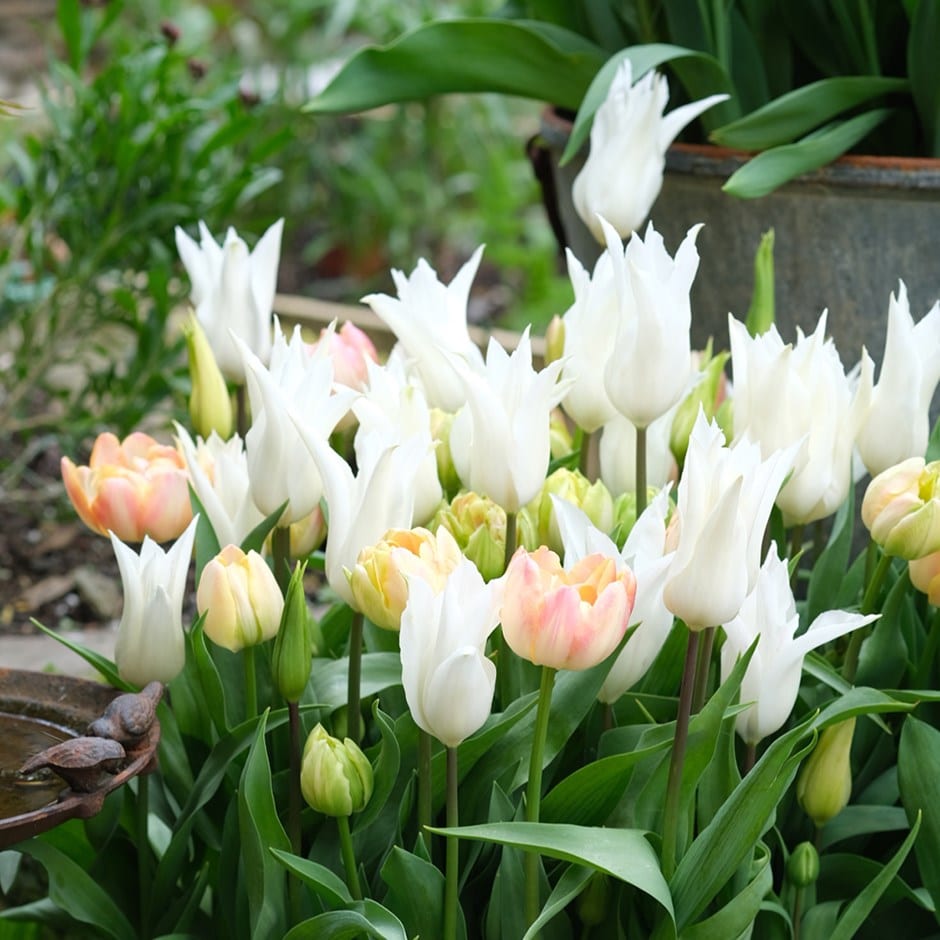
[(510, 537), (640, 471), (144, 873), (534, 790), (796, 546), (354, 678), (293, 806), (503, 676), (424, 780), (453, 846), (922, 677), (251, 685), (589, 459), (349, 858), (850, 665), (241, 411), (674, 785), (280, 556), (702, 665)]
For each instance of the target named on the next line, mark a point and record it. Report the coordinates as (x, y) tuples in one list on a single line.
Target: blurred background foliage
[(160, 114)]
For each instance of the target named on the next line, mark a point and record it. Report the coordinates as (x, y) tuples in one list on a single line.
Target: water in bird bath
[(20, 738)]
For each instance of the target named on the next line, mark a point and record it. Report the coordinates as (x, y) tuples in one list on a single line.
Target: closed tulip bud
[(210, 407), (901, 509), (760, 315), (292, 647), (803, 865), (925, 576), (335, 776), (708, 395), (379, 581), (239, 595), (593, 499), (825, 782), (441, 422), (554, 339), (479, 526), (307, 534), (624, 517), (561, 441), (594, 900)]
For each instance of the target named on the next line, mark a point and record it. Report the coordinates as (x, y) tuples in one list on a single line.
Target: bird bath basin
[(39, 711)]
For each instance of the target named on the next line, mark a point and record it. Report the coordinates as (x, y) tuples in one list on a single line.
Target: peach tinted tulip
[(133, 488), (925, 576), (350, 349), (566, 619)]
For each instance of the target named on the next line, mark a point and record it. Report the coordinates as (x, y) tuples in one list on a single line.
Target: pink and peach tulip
[(351, 350), (565, 619), (133, 488)]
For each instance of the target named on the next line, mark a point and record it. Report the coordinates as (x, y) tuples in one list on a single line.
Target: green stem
[(702, 665), (424, 780), (796, 545), (850, 665), (242, 424), (640, 471), (534, 790), (922, 676), (503, 654), (750, 759), (293, 806), (251, 685), (349, 858), (144, 872), (453, 845), (674, 785), (510, 537), (589, 460), (280, 556), (354, 678)]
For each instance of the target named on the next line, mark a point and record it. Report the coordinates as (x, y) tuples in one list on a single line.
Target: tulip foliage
[(535, 702)]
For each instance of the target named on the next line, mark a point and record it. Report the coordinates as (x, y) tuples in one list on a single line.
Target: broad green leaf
[(621, 853), (415, 892), (642, 59), (261, 830), (884, 654), (777, 166), (862, 819), (206, 544), (923, 66), (328, 677), (322, 880), (798, 112), (572, 882), (254, 540), (210, 682), (72, 29), (862, 904), (524, 58), (76, 891), (366, 917), (919, 780)]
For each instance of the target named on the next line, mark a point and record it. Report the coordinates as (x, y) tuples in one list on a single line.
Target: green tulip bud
[(561, 442), (760, 315), (441, 423), (825, 782), (708, 396), (554, 339), (537, 522), (478, 525), (292, 647), (594, 899), (210, 407), (335, 776), (803, 865)]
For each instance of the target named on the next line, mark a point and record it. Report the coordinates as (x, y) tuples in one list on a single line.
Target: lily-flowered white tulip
[(362, 508), (725, 497), (218, 472), (396, 409), (500, 441), (233, 292), (898, 426), (784, 394), (772, 680), (280, 468), (617, 453), (645, 553), (623, 173), (447, 677), (430, 321), (650, 366), (150, 643), (590, 331)]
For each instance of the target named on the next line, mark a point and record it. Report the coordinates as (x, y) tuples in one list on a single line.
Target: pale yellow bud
[(210, 407), (901, 509), (478, 525), (825, 782)]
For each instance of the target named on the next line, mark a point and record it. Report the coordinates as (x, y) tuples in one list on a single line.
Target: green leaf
[(829, 569), (919, 780), (328, 677), (261, 830), (923, 66), (69, 14), (385, 769), (206, 545), (642, 59), (798, 112), (322, 880), (773, 168), (76, 891), (884, 655), (862, 904), (366, 916), (524, 58), (254, 540), (572, 882), (415, 892), (860, 820), (107, 668), (622, 853), (210, 682)]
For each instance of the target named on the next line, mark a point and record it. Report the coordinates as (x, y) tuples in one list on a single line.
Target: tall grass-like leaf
[(101, 663), (385, 768), (884, 655), (521, 57), (572, 882), (829, 569), (367, 918), (923, 66), (798, 112), (77, 893), (773, 168), (328, 677)]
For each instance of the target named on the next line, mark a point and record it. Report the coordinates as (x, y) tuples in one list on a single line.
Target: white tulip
[(623, 173), (617, 453), (772, 680), (650, 367), (280, 468), (785, 394), (430, 320), (233, 292), (218, 472), (447, 676), (645, 554), (150, 643), (500, 441), (725, 497), (898, 424)]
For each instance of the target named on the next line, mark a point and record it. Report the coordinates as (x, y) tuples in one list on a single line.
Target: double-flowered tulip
[(240, 598), (901, 509), (566, 618), (772, 680), (447, 677), (134, 488), (233, 292), (336, 778), (623, 173), (150, 643)]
